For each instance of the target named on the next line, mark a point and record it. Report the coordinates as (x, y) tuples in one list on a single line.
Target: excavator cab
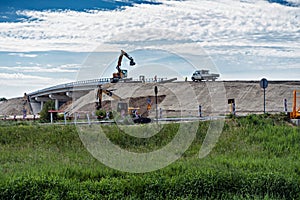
[(118, 76), (124, 73)]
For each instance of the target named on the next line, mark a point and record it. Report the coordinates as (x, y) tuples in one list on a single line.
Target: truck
[(204, 75)]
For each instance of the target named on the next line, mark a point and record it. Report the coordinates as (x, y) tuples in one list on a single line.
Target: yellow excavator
[(122, 106), (122, 73), (295, 114), (100, 92)]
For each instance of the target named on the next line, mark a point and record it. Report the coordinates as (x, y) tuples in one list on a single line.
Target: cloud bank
[(222, 23)]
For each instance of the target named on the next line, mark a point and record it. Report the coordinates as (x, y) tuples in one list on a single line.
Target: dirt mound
[(182, 98), (14, 106)]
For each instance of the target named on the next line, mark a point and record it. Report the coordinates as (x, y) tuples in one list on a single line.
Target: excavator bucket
[(132, 63)]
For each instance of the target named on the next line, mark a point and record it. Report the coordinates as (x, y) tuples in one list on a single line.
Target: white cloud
[(20, 79), (23, 55), (71, 67), (19, 83), (68, 68), (212, 23), (18, 76)]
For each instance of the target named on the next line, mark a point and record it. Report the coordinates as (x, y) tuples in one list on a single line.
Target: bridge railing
[(93, 82), (151, 80), (73, 84)]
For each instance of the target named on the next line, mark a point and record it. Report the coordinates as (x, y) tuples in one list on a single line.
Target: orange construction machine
[(122, 106), (122, 73), (295, 114)]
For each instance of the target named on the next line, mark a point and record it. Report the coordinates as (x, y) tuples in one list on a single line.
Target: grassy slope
[(255, 157)]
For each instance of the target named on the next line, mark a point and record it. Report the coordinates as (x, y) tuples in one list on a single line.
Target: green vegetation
[(101, 114), (256, 157), (45, 115), (3, 99)]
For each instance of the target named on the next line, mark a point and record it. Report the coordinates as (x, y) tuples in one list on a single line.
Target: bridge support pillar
[(56, 104), (59, 98), (41, 101), (42, 105)]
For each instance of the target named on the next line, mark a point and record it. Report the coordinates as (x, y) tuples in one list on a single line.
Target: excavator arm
[(108, 93), (120, 73), (123, 53)]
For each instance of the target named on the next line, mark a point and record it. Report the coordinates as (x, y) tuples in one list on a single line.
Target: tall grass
[(256, 157)]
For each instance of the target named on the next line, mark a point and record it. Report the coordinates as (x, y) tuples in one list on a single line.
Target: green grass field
[(256, 157)]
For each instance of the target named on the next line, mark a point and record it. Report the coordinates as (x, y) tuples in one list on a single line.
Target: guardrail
[(73, 84), (93, 82)]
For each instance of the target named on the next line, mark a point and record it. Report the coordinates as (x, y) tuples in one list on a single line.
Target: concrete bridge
[(62, 93), (66, 92)]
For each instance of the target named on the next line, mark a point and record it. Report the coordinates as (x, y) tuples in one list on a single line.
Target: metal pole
[(88, 118), (156, 108), (285, 105), (75, 118), (65, 118), (264, 100), (200, 111), (233, 109), (51, 117), (160, 113), (156, 91)]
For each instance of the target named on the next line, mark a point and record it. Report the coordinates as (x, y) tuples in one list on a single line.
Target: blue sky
[(45, 43)]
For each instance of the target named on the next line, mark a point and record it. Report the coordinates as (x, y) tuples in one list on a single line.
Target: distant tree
[(3, 99), (44, 114)]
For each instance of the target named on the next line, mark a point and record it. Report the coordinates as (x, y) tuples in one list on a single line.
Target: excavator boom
[(108, 93), (123, 53)]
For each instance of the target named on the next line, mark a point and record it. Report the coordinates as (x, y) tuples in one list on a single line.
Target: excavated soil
[(181, 98), (184, 98), (14, 106)]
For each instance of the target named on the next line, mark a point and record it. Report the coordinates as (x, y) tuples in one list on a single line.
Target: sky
[(50, 42)]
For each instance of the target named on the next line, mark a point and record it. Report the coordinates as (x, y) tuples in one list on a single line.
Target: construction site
[(153, 138), (146, 100)]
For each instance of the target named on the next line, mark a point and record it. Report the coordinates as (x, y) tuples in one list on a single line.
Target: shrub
[(44, 114), (60, 116), (3, 99), (101, 114), (111, 115)]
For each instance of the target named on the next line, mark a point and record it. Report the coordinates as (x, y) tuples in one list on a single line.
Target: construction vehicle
[(204, 75), (122, 73), (295, 114), (122, 106)]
